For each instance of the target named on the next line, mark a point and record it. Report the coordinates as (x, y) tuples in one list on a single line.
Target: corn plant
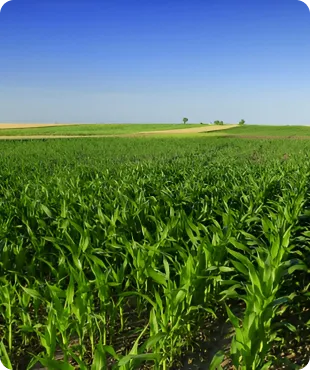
[(117, 252)]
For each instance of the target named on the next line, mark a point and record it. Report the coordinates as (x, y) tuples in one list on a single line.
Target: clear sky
[(155, 61)]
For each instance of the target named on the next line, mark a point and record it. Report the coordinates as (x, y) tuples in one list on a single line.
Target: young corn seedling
[(4, 356), (254, 333), (7, 303)]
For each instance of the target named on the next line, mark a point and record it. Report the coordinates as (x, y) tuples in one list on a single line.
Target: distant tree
[(242, 122), (201, 123), (185, 120)]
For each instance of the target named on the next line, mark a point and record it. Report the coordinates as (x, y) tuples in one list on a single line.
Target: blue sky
[(155, 61)]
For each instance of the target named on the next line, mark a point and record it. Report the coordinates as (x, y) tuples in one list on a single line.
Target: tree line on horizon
[(218, 123)]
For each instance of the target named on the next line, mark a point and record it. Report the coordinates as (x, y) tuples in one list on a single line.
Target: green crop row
[(139, 253)]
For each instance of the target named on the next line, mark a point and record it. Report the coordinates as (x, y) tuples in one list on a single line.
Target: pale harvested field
[(6, 126), (193, 130), (32, 137)]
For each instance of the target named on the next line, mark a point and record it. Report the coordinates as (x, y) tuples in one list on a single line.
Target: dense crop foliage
[(132, 253)]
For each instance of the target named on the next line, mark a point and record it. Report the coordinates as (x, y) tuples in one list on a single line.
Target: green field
[(259, 130), (92, 129), (127, 129), (146, 253)]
